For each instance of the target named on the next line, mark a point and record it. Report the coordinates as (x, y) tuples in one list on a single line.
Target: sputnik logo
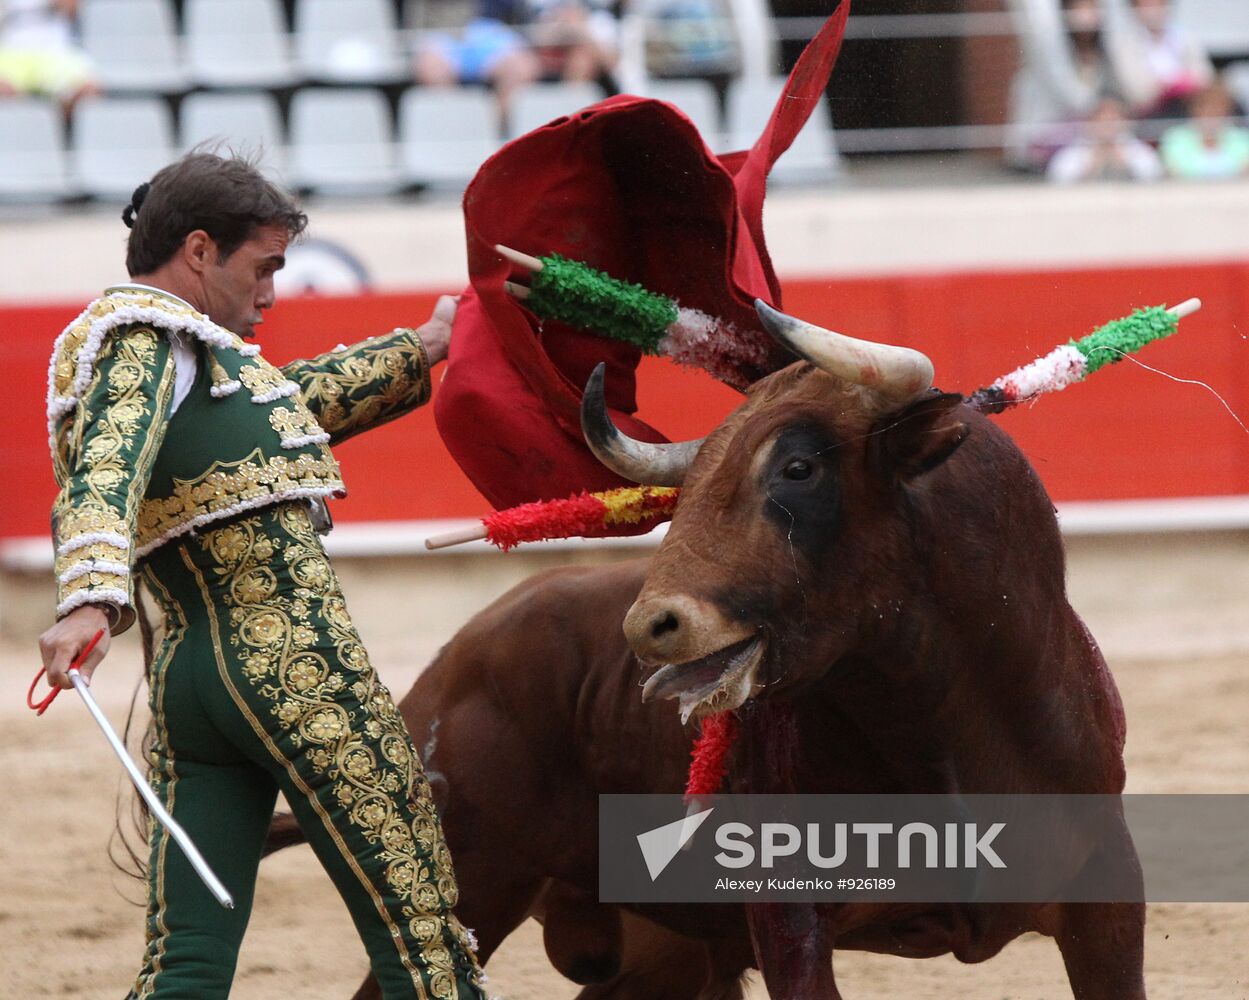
[(662, 844)]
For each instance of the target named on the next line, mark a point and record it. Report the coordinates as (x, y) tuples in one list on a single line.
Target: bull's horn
[(897, 372), (637, 461)]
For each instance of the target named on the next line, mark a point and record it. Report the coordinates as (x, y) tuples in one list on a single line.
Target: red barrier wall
[(1126, 433)]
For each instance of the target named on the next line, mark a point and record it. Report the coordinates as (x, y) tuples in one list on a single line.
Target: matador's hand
[(435, 334), (66, 639)]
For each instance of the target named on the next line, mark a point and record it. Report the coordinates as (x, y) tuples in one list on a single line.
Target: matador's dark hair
[(226, 197)]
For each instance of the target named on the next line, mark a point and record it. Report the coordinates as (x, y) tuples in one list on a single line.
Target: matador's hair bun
[(136, 202)]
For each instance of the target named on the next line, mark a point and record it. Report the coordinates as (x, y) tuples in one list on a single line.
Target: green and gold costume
[(259, 681)]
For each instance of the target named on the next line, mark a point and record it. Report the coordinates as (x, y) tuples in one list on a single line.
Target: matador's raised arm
[(352, 389)]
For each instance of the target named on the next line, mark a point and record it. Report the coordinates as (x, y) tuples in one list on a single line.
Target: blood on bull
[(869, 574)]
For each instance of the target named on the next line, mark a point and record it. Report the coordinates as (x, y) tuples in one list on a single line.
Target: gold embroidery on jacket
[(227, 488), (105, 449), (364, 385), (76, 336), (293, 424), (262, 378)]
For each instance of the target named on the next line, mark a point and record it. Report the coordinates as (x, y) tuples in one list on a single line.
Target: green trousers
[(260, 682)]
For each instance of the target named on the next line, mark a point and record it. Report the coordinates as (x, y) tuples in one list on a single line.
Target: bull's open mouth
[(719, 682)]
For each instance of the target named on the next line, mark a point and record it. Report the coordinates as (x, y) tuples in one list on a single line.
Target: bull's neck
[(934, 677)]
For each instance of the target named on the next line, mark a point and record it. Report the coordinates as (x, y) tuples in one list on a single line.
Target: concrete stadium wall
[(65, 257)]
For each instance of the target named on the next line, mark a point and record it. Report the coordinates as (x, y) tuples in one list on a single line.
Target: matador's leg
[(293, 687), (224, 801)]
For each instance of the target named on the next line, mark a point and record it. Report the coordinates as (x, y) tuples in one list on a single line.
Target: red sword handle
[(42, 706)]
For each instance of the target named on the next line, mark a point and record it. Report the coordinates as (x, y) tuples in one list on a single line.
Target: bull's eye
[(799, 468)]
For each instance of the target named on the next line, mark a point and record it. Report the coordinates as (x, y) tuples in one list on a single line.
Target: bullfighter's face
[(238, 288)]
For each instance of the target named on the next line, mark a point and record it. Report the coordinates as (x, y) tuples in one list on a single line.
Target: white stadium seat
[(33, 166), (244, 122), (349, 41), (696, 99), (445, 134), (544, 102), (120, 142), (1222, 25), (238, 43), (341, 142), (134, 45), (812, 158)]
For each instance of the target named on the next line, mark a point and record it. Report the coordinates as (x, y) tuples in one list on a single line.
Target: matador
[(187, 460)]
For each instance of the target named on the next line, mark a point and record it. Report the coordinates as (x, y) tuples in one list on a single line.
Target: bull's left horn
[(897, 372), (637, 461)]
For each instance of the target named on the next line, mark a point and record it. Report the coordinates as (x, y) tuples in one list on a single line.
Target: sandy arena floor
[(1171, 613)]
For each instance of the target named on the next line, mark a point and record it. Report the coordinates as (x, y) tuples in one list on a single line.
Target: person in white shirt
[(1170, 63), (1107, 150), (1075, 50), (38, 52)]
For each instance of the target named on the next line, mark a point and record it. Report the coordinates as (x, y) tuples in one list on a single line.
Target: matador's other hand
[(435, 334), (60, 644)]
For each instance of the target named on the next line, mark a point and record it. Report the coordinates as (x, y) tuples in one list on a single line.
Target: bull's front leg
[(793, 945), (1103, 944), (1103, 948)]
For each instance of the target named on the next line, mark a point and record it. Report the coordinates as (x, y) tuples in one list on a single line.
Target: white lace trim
[(198, 326), (101, 595), (278, 392), (93, 566), (226, 388), (91, 538), (252, 503), (305, 439)]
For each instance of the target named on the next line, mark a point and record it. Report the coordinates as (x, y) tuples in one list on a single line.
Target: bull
[(870, 575)]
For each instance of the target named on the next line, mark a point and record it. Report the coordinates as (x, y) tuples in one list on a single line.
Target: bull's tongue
[(694, 682)]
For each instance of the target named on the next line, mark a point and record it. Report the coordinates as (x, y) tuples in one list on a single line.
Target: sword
[(202, 868)]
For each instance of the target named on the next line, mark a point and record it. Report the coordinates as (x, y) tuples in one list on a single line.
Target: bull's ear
[(922, 435)]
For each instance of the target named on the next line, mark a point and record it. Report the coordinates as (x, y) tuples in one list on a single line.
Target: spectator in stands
[(511, 43), (1106, 150), (488, 51), (1210, 147), (1063, 70), (575, 39), (38, 53), (1168, 63), (1073, 51)]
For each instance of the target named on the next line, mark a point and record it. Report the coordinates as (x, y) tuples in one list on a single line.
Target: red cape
[(629, 187)]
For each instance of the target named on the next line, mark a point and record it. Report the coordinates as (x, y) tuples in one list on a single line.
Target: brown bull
[(871, 575)]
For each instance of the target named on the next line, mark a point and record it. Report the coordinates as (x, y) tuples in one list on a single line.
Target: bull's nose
[(674, 628)]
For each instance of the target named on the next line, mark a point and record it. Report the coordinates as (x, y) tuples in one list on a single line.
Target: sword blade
[(202, 868)]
